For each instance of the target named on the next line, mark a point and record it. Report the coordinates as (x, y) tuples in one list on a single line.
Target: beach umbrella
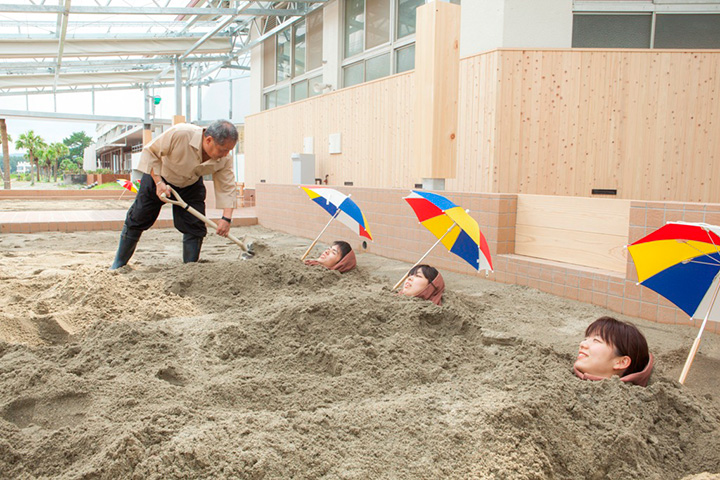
[(452, 226), (681, 262), (128, 185), (339, 206)]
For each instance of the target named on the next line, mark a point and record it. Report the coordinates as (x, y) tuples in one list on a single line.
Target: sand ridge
[(270, 369)]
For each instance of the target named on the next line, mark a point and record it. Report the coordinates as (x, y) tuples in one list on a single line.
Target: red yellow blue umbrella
[(340, 206), (681, 262), (453, 227)]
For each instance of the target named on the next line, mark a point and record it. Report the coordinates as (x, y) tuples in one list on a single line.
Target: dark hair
[(222, 131), (428, 272), (625, 339), (344, 247)]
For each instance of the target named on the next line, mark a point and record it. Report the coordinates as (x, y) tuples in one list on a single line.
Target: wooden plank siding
[(591, 232), (549, 122)]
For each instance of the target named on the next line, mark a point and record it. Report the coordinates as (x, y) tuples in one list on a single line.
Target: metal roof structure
[(65, 46)]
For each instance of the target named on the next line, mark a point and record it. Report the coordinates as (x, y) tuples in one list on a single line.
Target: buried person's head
[(613, 348), (338, 256), (424, 282)]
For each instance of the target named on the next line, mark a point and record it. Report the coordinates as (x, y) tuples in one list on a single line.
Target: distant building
[(24, 167)]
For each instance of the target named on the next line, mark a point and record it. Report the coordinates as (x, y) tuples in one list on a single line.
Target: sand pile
[(270, 369)]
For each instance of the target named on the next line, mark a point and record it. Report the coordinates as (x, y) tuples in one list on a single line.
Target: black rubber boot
[(191, 248), (128, 241)]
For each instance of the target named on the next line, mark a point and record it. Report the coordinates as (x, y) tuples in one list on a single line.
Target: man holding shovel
[(178, 159)]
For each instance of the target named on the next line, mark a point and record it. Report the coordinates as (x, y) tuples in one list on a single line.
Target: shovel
[(247, 251)]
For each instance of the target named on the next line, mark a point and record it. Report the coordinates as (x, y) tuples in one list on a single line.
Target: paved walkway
[(85, 220)]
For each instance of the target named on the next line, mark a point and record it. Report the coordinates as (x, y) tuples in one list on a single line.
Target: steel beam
[(63, 20), (110, 63), (250, 12), (80, 117)]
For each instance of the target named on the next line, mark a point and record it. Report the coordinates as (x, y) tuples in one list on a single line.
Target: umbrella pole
[(423, 257), (696, 343), (307, 252)]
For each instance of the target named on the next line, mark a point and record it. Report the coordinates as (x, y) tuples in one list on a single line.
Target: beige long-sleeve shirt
[(176, 155)]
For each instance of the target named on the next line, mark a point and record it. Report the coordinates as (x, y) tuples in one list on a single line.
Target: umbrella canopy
[(340, 205), (461, 232), (681, 261), (127, 184)]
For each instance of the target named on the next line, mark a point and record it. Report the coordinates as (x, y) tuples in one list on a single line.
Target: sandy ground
[(268, 369)]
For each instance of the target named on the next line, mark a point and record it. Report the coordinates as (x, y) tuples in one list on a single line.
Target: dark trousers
[(146, 208)]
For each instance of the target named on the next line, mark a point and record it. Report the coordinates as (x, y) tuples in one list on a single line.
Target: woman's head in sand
[(334, 253), (612, 347), (418, 279)]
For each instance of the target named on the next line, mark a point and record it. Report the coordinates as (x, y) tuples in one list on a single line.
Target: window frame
[(392, 46), (271, 92)]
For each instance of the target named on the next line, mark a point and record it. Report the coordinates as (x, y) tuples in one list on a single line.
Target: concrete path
[(85, 220)]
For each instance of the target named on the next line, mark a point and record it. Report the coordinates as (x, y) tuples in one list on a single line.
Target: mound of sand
[(270, 369)]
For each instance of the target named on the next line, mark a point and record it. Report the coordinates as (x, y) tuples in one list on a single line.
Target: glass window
[(687, 31), (353, 74), (611, 31), (311, 85), (378, 23), (406, 17), (315, 40), (299, 48), (405, 59), (283, 54), (270, 100), (354, 27), (269, 62), (377, 67), (283, 96), (300, 91)]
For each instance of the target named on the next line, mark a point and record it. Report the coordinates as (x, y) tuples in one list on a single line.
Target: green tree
[(54, 152), (32, 143), (77, 142), (70, 165)]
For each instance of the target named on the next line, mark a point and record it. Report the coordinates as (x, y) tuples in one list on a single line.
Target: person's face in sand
[(415, 284), (330, 257), (597, 357)]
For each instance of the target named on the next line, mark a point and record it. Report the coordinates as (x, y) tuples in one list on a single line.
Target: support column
[(178, 117), (199, 102), (437, 70), (230, 94), (188, 109)]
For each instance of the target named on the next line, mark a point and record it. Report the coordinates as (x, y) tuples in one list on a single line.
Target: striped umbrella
[(339, 206), (128, 185), (681, 262)]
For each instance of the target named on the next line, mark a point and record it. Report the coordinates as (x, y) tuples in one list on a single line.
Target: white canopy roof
[(48, 44)]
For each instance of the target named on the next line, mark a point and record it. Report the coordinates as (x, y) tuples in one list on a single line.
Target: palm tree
[(6, 153), (33, 144), (43, 162), (54, 151)]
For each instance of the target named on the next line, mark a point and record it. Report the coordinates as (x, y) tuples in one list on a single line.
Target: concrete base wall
[(398, 235)]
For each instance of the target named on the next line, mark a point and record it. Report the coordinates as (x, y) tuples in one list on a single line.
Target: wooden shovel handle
[(181, 203)]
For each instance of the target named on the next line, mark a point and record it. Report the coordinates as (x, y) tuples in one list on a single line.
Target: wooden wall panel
[(551, 122), (591, 232), (375, 123), (477, 112), (642, 122)]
